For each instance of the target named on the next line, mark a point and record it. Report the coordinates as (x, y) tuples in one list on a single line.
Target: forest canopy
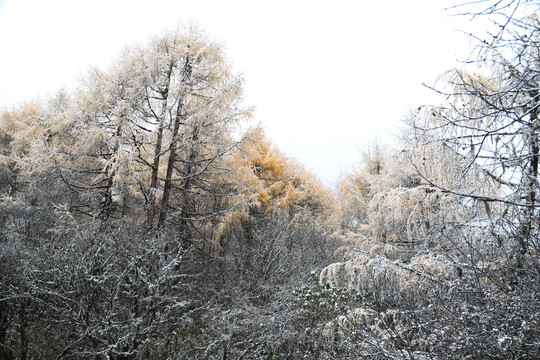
[(137, 223)]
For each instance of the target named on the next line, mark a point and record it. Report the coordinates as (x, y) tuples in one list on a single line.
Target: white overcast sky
[(326, 77)]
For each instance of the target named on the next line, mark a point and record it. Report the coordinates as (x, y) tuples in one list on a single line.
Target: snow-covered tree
[(168, 111)]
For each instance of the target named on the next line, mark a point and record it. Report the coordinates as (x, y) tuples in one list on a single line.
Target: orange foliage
[(269, 183)]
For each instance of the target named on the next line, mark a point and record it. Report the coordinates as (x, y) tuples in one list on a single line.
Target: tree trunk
[(5, 352), (187, 205), (172, 147), (170, 166), (157, 150), (23, 334), (106, 207), (529, 221)]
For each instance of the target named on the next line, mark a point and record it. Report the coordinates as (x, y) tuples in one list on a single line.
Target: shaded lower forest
[(138, 223)]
